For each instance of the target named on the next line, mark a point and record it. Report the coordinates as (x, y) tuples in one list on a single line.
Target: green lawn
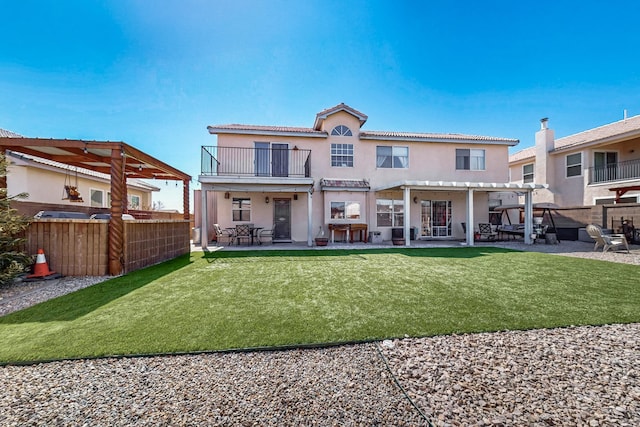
[(229, 300)]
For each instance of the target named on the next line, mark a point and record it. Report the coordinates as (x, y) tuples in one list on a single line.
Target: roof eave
[(438, 139), (312, 134), (606, 140)]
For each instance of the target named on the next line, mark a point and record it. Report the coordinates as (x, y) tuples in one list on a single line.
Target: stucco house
[(596, 166), (52, 183), (337, 175)]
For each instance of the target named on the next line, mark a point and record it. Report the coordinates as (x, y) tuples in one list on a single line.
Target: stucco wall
[(47, 186), (427, 162)]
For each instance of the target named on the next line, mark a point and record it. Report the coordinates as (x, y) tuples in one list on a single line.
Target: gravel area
[(25, 294), (569, 376), (582, 376), (340, 386)]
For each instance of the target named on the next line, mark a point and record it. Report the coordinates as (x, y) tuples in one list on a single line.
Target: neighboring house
[(597, 166), (50, 182), (301, 180)]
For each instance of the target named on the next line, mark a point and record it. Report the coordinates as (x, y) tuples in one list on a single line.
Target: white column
[(310, 217), (470, 227), (528, 217), (407, 215), (204, 234)]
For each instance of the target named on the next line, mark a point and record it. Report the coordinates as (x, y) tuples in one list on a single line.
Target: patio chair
[(607, 241), (266, 233), (243, 231), (486, 231), (223, 234)]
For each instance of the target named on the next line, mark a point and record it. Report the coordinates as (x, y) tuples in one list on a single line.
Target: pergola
[(117, 159), (468, 188), (620, 191)]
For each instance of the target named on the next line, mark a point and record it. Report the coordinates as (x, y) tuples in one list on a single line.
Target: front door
[(282, 220)]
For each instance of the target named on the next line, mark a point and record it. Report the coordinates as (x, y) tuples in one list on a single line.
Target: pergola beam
[(116, 159)]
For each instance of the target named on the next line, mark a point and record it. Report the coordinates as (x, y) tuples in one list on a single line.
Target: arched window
[(341, 130)]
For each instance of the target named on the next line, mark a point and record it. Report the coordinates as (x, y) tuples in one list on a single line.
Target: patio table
[(254, 233)]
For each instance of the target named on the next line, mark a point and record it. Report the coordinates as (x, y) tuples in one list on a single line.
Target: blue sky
[(155, 73)]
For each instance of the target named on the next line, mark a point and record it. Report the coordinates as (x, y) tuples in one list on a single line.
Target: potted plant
[(398, 241), (321, 239)]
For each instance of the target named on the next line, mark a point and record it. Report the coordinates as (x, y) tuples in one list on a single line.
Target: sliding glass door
[(436, 218)]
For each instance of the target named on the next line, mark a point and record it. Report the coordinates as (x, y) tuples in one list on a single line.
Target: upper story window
[(574, 164), (241, 209), (392, 157), (527, 173), (342, 155), (468, 159), (341, 130)]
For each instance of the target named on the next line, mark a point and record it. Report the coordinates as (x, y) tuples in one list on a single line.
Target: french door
[(606, 166), (436, 218), (271, 159)]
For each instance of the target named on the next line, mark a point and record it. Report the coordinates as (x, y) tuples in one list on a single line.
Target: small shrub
[(12, 226)]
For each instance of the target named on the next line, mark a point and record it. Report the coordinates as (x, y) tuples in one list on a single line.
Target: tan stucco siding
[(47, 186)]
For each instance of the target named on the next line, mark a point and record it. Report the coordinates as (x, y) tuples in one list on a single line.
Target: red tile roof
[(8, 134), (340, 107), (436, 137), (373, 135), (621, 129), (523, 155), (618, 129), (344, 183), (254, 129)]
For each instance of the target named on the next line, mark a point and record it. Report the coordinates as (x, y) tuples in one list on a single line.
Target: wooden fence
[(79, 247), (150, 242)]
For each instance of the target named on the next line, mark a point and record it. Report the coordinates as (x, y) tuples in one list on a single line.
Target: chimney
[(543, 123), (543, 169)]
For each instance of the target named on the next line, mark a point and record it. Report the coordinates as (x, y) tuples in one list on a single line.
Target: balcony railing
[(263, 162), (629, 169)]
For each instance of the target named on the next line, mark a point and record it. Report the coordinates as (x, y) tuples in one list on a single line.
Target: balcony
[(259, 162), (621, 171)]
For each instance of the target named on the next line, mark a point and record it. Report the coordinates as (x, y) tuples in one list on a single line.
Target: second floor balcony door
[(262, 158), (606, 168), (280, 160), (271, 159)]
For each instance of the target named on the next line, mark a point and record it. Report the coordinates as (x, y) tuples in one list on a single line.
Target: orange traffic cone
[(41, 268)]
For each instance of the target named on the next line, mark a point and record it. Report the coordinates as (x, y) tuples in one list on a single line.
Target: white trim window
[(241, 209), (342, 155), (574, 164), (389, 213), (345, 210), (470, 159), (97, 198), (134, 202), (392, 157), (341, 130), (527, 173)]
